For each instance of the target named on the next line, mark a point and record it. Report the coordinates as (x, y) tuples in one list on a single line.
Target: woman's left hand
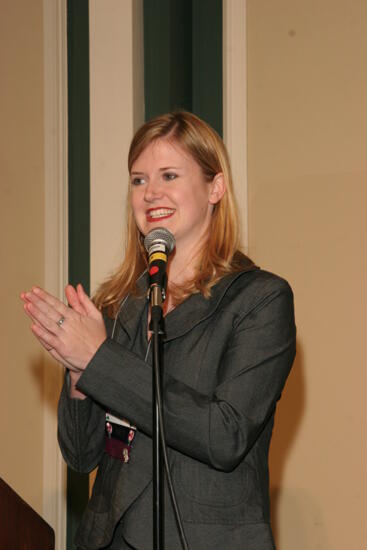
[(73, 334)]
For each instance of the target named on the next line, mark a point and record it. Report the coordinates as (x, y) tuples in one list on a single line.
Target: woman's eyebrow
[(169, 168), (163, 169)]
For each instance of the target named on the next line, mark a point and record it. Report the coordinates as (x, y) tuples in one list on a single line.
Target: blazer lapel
[(196, 308), (132, 308), (186, 316)]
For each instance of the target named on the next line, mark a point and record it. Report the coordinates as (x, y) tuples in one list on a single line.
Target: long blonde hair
[(220, 253)]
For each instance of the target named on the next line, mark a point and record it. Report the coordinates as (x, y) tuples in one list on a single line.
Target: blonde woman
[(228, 347)]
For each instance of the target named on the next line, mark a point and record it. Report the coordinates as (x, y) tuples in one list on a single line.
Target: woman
[(228, 347)]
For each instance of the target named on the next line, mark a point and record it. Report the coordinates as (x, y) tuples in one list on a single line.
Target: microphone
[(159, 244)]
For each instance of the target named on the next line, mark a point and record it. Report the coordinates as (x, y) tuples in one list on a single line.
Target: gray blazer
[(226, 361)]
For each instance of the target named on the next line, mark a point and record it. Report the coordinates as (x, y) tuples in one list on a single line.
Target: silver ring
[(61, 321)]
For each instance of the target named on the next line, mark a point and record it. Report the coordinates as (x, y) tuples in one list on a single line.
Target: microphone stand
[(157, 328)]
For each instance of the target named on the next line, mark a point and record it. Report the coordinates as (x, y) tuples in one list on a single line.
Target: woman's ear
[(218, 188)]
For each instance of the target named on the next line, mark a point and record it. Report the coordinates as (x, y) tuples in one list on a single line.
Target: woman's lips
[(157, 214)]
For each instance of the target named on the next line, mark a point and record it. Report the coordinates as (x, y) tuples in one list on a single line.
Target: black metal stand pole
[(156, 327)]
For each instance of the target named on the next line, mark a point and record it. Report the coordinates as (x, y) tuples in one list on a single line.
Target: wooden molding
[(235, 102), (55, 248)]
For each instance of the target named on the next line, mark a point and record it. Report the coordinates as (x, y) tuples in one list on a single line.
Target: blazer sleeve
[(220, 428), (80, 430)]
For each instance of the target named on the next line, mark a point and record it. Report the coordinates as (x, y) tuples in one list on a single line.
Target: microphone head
[(160, 235)]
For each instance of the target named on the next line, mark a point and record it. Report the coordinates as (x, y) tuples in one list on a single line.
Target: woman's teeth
[(160, 213)]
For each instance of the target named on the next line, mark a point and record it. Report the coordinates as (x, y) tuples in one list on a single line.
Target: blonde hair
[(220, 253)]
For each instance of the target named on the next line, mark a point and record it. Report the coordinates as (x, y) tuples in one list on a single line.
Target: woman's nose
[(153, 190)]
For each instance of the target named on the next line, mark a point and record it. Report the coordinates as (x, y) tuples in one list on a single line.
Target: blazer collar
[(182, 319), (132, 307)]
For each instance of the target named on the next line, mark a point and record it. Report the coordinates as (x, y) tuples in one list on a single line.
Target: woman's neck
[(182, 266)]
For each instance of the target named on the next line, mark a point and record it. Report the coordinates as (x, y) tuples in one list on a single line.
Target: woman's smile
[(159, 213)]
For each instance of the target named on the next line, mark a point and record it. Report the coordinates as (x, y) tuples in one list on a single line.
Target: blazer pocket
[(211, 487)]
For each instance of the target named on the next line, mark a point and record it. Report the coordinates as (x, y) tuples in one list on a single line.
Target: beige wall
[(22, 250), (307, 177)]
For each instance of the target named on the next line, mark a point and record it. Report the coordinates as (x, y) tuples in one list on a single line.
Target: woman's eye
[(169, 176), (137, 181)]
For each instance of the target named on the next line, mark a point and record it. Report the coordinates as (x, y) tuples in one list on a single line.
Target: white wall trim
[(56, 240), (235, 101), (116, 108)]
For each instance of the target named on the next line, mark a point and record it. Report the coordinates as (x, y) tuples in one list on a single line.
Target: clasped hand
[(72, 334)]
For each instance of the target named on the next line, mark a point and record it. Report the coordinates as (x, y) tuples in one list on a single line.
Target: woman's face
[(168, 189)]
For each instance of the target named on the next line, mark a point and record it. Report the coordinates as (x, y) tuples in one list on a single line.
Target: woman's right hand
[(40, 305)]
